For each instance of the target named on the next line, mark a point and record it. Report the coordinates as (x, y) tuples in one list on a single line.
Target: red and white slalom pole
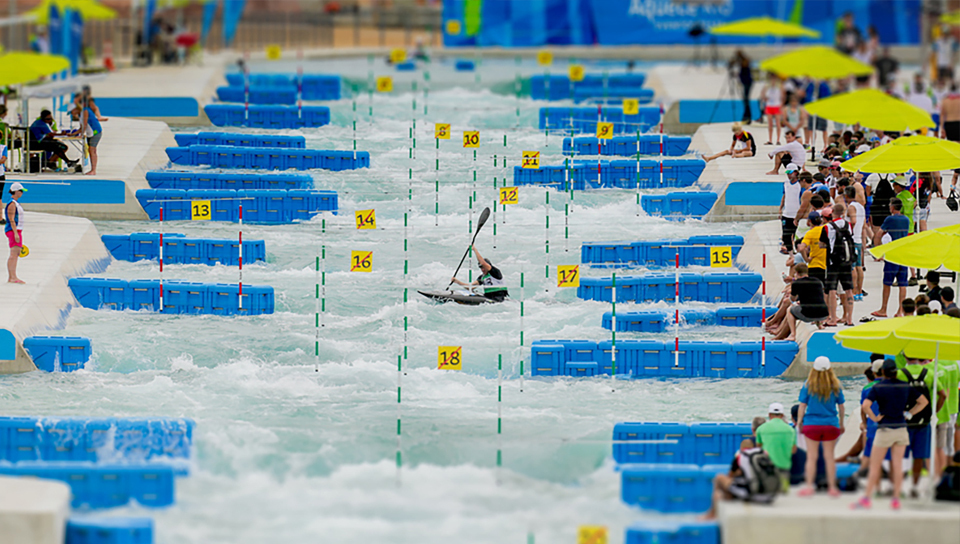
[(676, 315), (300, 84), (240, 262), (763, 315), (161, 258), (661, 145)]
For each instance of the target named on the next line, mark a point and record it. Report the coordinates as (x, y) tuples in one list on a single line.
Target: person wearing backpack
[(897, 403), (752, 478), (837, 238), (919, 375), (821, 421)]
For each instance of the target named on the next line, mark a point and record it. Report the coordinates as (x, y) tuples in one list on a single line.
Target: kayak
[(447, 296)]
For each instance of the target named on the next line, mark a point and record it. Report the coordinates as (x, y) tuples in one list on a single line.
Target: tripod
[(731, 91)]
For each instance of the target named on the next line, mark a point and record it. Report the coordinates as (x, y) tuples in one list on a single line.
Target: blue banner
[(232, 11), (148, 10), (76, 40), (209, 13), (54, 29), (65, 34)]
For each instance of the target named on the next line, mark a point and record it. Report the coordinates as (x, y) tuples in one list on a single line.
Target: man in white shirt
[(856, 216), (789, 204), (945, 47), (790, 152)]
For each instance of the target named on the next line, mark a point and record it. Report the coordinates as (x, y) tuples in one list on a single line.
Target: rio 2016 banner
[(525, 23)]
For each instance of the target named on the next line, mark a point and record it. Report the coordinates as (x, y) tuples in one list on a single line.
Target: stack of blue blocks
[(258, 95), (178, 249), (268, 158), (622, 174), (693, 251), (259, 206), (737, 287), (270, 117), (109, 530), (627, 146), (464, 66), (654, 358), (179, 297), (583, 120), (47, 352), (178, 179), (679, 205), (185, 139), (557, 87), (659, 320), (313, 86), (673, 532)]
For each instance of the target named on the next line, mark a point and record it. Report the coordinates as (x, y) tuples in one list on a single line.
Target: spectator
[(43, 138), (918, 95), (893, 398), (755, 424), (794, 117), (848, 35), (773, 95), (946, 298), (13, 228), (789, 206), (807, 292), (949, 487), (933, 286), (812, 252), (741, 63), (752, 478), (887, 67), (901, 190), (873, 374), (821, 421), (779, 441), (806, 194), (743, 145), (816, 91), (924, 188), (945, 47), (953, 312), (863, 54), (856, 215), (920, 376), (934, 306), (791, 152), (948, 378), (896, 225), (882, 192), (90, 127), (923, 309), (908, 307), (950, 121), (836, 237)]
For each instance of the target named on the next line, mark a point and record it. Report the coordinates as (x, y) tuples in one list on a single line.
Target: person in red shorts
[(821, 421), (13, 215)]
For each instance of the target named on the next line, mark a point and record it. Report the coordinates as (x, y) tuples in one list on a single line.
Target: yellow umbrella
[(88, 9), (764, 26), (871, 108), (917, 153), (818, 62), (929, 249), (20, 67), (952, 18), (917, 337)]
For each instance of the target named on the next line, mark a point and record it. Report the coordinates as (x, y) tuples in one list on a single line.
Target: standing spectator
[(925, 188), (873, 374), (945, 48), (773, 100), (789, 206), (948, 378), (873, 41), (807, 292), (814, 254), (918, 95), (863, 54), (90, 127), (897, 226), (779, 440), (892, 398), (806, 196), (821, 421), (856, 215), (848, 35), (882, 193), (13, 215), (920, 376), (741, 64), (791, 152), (908, 202), (4, 153), (950, 121), (837, 238), (816, 90), (794, 117)]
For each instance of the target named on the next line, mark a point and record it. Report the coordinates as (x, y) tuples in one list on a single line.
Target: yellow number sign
[(471, 139), (721, 257), (568, 276), (576, 72), (590, 534), (366, 219), (200, 210), (544, 58), (531, 159), (453, 27), (398, 55), (509, 195), (385, 84), (442, 131), (631, 106), (449, 358), (274, 52), (604, 131), (361, 261)]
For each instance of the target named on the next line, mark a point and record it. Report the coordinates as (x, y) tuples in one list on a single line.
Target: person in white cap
[(13, 215), (779, 440), (792, 150), (821, 421)]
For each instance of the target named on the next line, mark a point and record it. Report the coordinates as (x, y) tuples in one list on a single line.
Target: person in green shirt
[(948, 380), (779, 440), (900, 187)]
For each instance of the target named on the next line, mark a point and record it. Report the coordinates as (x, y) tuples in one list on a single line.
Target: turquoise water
[(295, 449)]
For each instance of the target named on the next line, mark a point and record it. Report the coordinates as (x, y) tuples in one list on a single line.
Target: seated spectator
[(810, 307), (790, 152), (933, 285), (949, 487), (752, 478), (43, 138), (779, 441), (946, 298), (755, 424), (743, 145), (908, 307), (892, 397)]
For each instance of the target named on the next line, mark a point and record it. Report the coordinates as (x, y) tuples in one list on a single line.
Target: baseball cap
[(901, 181), (824, 163), (775, 408), (821, 363), (814, 215), (889, 365), (935, 306), (791, 168), (17, 186), (835, 164), (863, 149), (877, 365)]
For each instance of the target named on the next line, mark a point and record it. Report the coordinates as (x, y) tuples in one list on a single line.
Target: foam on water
[(288, 454)]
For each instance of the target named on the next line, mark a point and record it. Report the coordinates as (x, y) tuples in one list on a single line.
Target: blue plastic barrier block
[(664, 488), (673, 532), (581, 369), (780, 354), (716, 443), (546, 359), (58, 353), (97, 293), (118, 245), (716, 360), (406, 66), (109, 530), (655, 443), (104, 486), (144, 295), (685, 362), (746, 358), (181, 297), (742, 316), (464, 66), (144, 246), (265, 206), (626, 355), (19, 439)]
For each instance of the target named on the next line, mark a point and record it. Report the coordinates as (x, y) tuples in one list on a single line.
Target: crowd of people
[(898, 416)]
